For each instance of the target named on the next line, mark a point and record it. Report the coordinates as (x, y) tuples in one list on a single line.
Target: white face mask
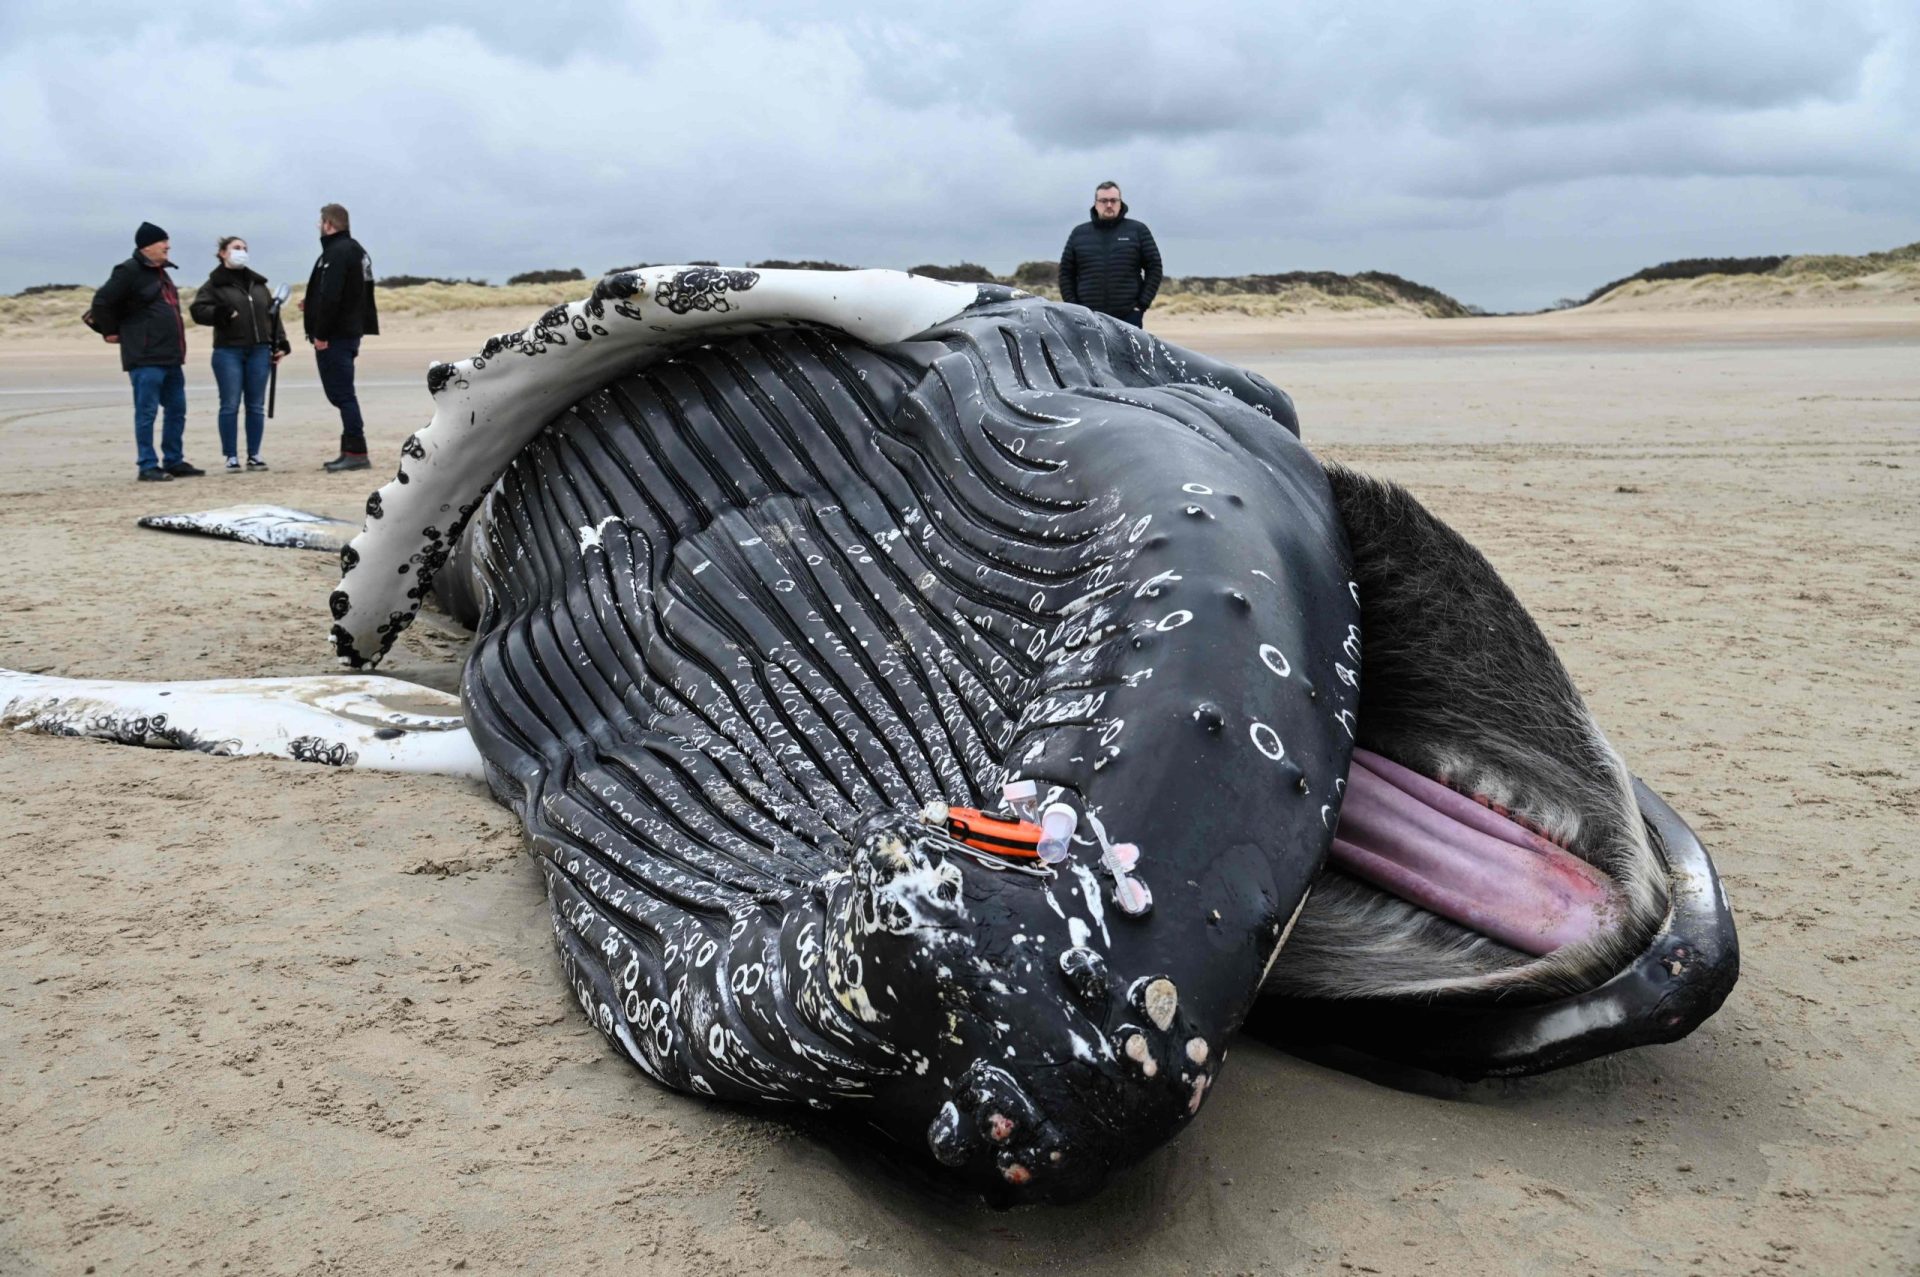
[(236, 257)]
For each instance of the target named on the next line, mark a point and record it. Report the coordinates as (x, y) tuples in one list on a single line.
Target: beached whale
[(946, 707)]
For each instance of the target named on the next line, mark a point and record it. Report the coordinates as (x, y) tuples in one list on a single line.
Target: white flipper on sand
[(274, 525), (382, 724)]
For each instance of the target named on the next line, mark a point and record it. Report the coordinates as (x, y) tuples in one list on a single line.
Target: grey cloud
[(1073, 76), (1554, 63), (1070, 72), (547, 31), (1427, 139)]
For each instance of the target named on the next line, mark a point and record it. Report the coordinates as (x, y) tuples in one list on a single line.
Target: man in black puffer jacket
[(138, 309), (1111, 263), (339, 311)]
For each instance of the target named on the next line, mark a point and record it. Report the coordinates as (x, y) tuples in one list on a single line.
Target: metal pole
[(273, 373)]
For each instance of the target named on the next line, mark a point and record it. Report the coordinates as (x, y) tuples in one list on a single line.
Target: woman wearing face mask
[(248, 339)]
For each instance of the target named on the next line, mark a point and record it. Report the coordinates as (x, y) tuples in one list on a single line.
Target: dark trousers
[(336, 378), (239, 370), (155, 389)]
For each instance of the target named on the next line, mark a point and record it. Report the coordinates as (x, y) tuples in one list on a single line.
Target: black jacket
[(1112, 267), (340, 291), (239, 309), (140, 305)]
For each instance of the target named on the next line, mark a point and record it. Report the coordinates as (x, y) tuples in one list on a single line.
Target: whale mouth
[(1489, 845), (1465, 860)]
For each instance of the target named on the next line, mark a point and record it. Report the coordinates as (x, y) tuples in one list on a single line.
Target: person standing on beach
[(248, 340), (138, 309), (339, 311), (1111, 263)]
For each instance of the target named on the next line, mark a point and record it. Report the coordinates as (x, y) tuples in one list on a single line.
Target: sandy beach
[(261, 1018)]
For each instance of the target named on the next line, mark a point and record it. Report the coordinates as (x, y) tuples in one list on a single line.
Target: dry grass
[(1299, 300), (1813, 280), (43, 311), (57, 314), (436, 299), (1830, 279), (1899, 261)]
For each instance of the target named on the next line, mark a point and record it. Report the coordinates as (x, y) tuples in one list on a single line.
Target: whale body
[(779, 579), (767, 565)]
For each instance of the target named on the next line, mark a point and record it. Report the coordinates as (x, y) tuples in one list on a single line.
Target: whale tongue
[(1441, 850)]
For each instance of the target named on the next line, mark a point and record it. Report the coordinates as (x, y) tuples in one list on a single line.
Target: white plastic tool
[(1057, 824)]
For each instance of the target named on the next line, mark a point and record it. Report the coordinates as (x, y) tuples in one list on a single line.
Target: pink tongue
[(1441, 850)]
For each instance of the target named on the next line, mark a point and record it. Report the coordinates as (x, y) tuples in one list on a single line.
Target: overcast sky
[(1506, 153)]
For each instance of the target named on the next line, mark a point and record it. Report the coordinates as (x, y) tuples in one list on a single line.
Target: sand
[(256, 1017)]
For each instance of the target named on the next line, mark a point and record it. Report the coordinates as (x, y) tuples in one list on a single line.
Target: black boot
[(183, 470), (348, 461)]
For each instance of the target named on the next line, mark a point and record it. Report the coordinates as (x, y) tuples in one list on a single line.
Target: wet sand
[(268, 1018)]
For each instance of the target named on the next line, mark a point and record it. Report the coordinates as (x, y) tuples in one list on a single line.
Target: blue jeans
[(236, 368), (336, 378), (153, 390)]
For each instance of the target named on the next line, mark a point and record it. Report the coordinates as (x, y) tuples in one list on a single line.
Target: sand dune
[(1874, 279), (431, 314)]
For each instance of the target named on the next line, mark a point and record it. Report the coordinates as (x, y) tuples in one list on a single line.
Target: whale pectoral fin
[(274, 525), (382, 724), (488, 407)]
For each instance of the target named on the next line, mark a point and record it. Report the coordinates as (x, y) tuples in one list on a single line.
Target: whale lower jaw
[(1468, 704), (1674, 982)]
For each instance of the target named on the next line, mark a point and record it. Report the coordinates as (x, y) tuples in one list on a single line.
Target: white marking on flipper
[(379, 724), (590, 537), (490, 406), (275, 525)]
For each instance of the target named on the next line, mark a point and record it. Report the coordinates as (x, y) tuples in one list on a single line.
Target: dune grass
[(54, 311), (1809, 276), (58, 311)]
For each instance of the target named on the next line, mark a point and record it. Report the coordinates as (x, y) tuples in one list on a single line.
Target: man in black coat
[(1111, 263), (138, 309), (339, 311)]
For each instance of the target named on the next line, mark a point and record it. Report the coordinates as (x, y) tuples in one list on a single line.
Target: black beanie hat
[(148, 234)]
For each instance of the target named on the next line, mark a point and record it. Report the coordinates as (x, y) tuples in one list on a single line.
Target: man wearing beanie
[(138, 309)]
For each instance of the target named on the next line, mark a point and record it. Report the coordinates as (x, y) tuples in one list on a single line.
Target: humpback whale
[(946, 708)]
